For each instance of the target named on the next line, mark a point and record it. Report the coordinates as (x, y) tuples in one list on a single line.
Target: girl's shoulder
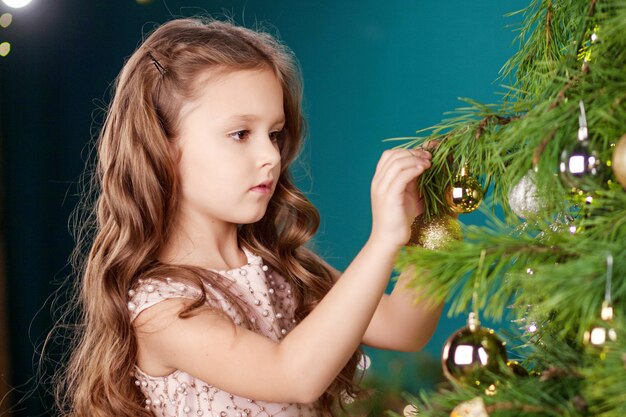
[(149, 291)]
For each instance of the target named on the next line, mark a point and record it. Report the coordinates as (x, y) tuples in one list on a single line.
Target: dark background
[(372, 70)]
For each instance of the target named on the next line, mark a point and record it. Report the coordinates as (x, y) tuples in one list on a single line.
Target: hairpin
[(157, 64)]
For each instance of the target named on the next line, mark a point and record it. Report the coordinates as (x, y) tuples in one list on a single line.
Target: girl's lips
[(262, 189), (265, 187)]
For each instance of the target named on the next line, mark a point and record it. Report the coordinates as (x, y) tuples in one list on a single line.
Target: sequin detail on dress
[(266, 293)]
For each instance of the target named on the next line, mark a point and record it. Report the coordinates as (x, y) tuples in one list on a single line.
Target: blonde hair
[(131, 199)]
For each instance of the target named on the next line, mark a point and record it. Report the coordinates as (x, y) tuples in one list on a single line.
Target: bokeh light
[(6, 19), (410, 411), (16, 4), (144, 1), (5, 48)]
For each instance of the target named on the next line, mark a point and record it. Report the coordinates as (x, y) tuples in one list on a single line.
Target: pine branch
[(549, 268)]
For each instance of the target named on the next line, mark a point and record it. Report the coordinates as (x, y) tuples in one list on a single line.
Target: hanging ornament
[(471, 408), (473, 354), (436, 233), (602, 332), (465, 193), (523, 198), (580, 166), (618, 161)]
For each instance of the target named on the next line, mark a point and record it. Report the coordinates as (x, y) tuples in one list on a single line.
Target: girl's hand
[(395, 202)]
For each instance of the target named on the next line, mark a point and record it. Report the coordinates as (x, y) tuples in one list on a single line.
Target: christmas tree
[(550, 262)]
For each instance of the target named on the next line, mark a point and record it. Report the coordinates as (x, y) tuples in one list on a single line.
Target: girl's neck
[(211, 244)]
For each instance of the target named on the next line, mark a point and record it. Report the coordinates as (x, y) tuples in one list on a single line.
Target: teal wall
[(372, 70)]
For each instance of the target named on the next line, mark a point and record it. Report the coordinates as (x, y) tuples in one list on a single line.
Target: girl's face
[(228, 147)]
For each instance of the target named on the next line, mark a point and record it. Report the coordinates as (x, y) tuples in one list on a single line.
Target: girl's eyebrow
[(251, 118)]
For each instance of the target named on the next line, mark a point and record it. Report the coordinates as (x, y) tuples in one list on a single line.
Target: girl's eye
[(240, 135), (275, 136)]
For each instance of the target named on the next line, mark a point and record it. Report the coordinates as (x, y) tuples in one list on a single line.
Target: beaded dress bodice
[(268, 296)]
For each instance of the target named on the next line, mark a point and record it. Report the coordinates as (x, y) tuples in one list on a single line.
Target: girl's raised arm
[(301, 366)]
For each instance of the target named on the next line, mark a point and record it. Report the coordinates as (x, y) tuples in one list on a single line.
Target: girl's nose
[(269, 152)]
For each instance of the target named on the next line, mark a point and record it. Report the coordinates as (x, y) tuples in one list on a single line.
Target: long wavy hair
[(130, 201)]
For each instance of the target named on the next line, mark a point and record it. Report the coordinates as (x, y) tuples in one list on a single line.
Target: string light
[(6, 19), (5, 48)]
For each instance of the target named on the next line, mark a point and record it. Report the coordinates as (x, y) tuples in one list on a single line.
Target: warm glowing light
[(410, 411), (143, 1), (6, 19), (5, 48), (16, 4)]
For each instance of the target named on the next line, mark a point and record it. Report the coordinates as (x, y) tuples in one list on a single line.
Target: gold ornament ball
[(436, 233), (465, 194), (473, 354), (618, 161)]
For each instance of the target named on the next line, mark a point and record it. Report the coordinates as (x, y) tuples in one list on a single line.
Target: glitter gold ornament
[(472, 408), (618, 161), (436, 233), (465, 193), (473, 355)]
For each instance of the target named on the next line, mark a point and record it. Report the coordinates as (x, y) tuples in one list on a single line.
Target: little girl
[(199, 295)]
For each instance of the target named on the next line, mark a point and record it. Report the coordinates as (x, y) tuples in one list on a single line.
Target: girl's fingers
[(398, 184), (389, 173), (390, 155)]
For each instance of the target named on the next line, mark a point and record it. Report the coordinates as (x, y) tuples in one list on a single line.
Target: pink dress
[(182, 394)]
